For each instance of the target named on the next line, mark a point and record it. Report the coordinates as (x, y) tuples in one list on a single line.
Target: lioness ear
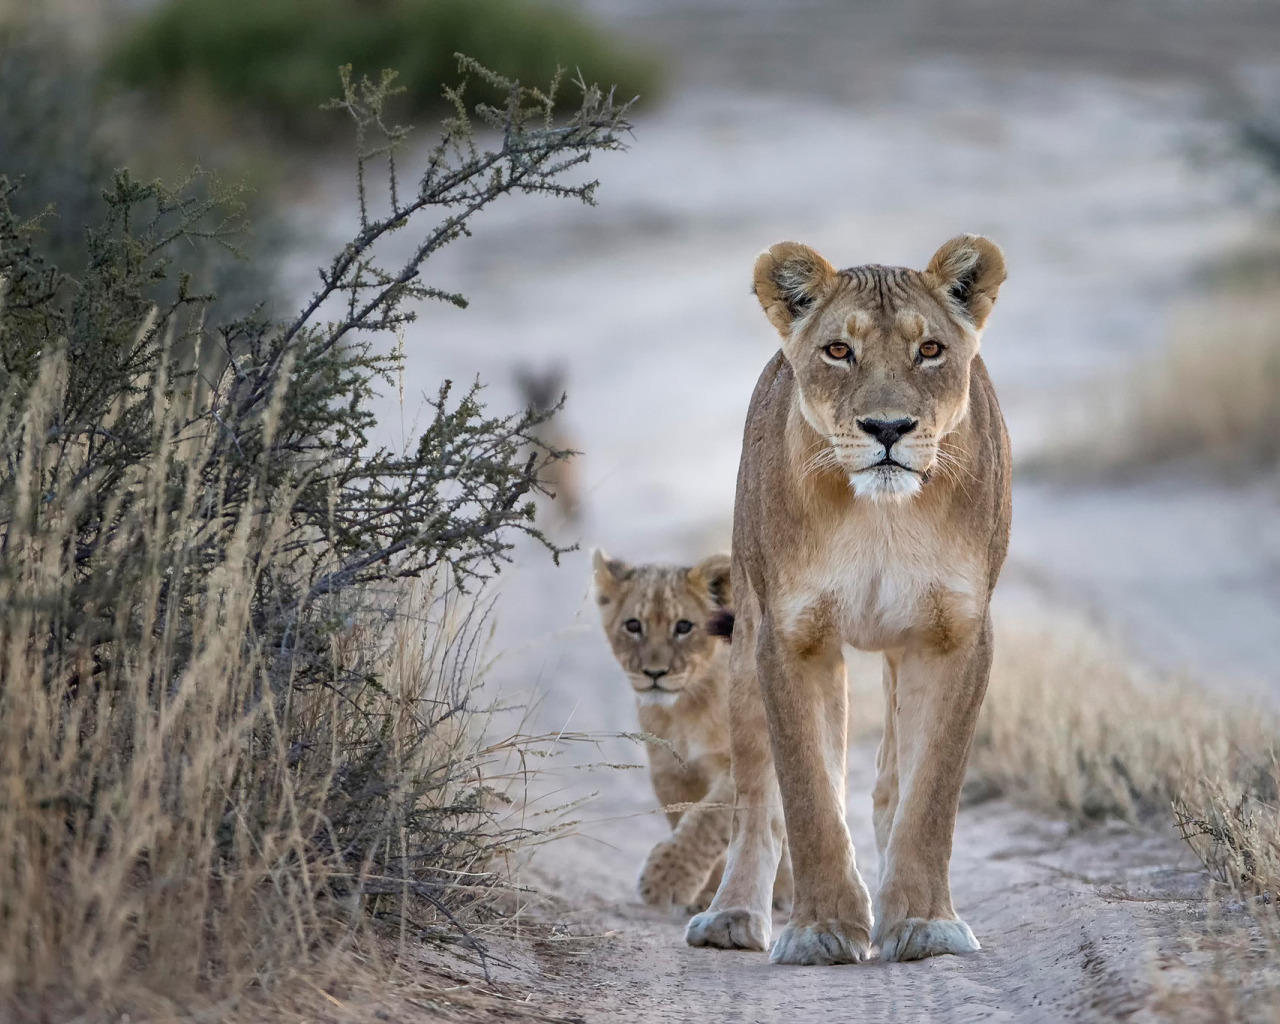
[(790, 279), (610, 574), (712, 575), (969, 270)]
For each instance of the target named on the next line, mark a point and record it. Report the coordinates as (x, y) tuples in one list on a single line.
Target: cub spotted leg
[(806, 696), (739, 916), (938, 697), (677, 869)]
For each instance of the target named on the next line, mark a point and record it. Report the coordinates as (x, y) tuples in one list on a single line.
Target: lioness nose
[(655, 673), (887, 431)]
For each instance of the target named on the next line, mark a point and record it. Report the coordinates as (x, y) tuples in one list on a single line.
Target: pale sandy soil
[(1063, 937), (1096, 160)]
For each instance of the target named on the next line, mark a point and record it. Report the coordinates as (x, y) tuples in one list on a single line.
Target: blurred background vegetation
[(237, 86), (276, 58)]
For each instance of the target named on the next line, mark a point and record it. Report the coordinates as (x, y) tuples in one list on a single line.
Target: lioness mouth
[(888, 461)]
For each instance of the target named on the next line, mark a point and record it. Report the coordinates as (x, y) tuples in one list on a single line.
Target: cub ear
[(712, 576), (610, 574), (790, 279), (968, 270)]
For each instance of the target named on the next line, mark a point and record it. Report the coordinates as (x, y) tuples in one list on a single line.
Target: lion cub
[(656, 619)]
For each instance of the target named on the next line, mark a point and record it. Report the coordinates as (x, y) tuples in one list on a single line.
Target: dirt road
[(1066, 931)]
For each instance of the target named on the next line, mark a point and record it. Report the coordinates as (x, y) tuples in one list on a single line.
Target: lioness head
[(881, 355), (655, 617)]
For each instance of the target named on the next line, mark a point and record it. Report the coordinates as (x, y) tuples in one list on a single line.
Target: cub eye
[(930, 350), (632, 626), (838, 350), (684, 626)]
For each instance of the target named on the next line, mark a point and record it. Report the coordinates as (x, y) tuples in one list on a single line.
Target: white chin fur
[(657, 698), (885, 483)]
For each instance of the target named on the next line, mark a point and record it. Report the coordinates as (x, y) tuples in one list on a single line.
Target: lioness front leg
[(739, 916), (805, 695), (936, 710)]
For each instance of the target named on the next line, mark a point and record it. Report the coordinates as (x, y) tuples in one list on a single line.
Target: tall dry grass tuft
[(1071, 725), (172, 828)]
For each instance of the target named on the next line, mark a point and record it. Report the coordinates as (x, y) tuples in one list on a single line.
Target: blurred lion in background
[(544, 392)]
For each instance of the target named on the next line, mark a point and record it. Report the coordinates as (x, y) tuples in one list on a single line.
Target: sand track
[(1062, 937)]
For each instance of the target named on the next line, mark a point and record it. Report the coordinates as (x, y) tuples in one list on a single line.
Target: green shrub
[(279, 56)]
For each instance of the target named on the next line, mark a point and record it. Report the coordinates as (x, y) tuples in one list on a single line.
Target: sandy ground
[(1066, 929), (1100, 162)]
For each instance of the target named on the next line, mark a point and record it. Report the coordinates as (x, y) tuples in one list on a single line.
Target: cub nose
[(887, 431), (655, 673)]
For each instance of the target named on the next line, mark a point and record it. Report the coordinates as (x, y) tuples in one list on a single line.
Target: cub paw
[(666, 881), (729, 929), (919, 937), (822, 943)]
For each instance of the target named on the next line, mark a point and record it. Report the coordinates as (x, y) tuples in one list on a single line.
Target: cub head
[(881, 355), (655, 617)]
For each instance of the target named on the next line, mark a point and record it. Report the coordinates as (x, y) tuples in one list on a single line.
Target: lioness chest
[(887, 579)]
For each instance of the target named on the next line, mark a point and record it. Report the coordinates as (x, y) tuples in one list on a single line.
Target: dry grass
[(1071, 727), (1210, 396), (235, 757), (177, 833)]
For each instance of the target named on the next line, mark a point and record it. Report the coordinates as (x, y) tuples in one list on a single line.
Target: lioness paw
[(822, 943), (918, 937), (729, 929)]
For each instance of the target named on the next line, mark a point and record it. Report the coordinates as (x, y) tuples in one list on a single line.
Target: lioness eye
[(684, 626), (930, 350), (837, 350), (632, 626)]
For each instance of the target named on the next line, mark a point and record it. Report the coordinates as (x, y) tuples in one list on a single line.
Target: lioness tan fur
[(655, 618), (873, 508)]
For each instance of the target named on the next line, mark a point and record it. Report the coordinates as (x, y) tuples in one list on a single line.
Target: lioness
[(873, 509), (655, 617)]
